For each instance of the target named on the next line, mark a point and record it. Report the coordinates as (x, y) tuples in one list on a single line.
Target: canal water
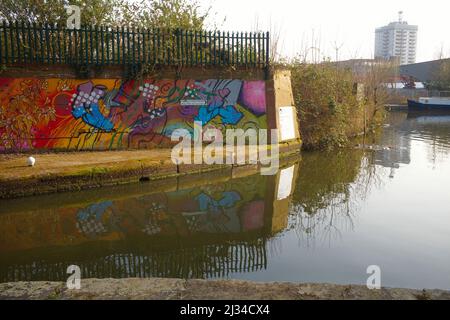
[(324, 218)]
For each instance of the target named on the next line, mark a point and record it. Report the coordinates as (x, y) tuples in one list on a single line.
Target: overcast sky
[(346, 24)]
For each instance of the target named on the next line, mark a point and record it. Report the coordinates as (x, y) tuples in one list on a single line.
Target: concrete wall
[(55, 109), (279, 95)]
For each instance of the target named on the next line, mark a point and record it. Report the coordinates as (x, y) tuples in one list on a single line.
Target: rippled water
[(325, 218)]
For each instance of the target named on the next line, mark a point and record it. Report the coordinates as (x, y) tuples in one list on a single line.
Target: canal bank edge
[(117, 168), (178, 289)]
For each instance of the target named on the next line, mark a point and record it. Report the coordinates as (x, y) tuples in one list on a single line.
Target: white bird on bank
[(31, 161)]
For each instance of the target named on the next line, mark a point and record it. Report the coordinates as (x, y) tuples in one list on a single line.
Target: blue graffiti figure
[(85, 105), (228, 200), (92, 116), (216, 107)]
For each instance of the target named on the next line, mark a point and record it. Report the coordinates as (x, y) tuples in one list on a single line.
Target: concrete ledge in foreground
[(177, 289)]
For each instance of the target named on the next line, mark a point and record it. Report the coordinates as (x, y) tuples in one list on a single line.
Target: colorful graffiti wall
[(107, 114)]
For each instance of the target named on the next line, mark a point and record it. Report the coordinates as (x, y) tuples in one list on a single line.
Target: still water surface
[(325, 218)]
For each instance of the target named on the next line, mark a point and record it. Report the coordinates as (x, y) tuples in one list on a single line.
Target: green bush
[(329, 109)]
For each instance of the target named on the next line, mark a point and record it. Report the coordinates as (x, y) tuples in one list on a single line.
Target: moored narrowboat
[(430, 103)]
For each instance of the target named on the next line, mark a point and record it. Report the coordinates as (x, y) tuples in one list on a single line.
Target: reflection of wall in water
[(231, 207), (204, 261), (199, 232)]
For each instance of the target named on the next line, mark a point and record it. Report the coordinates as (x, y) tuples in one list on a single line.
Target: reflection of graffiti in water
[(202, 214), (152, 226), (200, 232), (89, 220), (228, 200)]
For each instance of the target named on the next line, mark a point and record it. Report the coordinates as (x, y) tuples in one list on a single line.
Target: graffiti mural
[(104, 114)]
